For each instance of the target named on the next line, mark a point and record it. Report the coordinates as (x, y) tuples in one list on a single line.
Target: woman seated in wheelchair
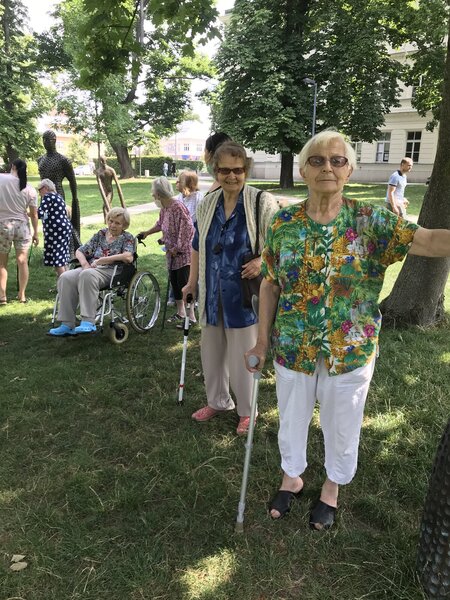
[(97, 258)]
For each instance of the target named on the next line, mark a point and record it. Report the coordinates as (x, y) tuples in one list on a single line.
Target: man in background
[(395, 194)]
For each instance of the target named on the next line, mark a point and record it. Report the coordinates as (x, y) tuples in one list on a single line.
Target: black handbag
[(250, 287)]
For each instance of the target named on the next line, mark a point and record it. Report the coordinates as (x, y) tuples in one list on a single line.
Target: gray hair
[(48, 183), (162, 188), (323, 139), (118, 211)]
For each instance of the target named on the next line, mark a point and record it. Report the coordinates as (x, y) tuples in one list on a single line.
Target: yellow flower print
[(340, 245), (405, 236), (311, 352), (337, 338), (316, 263)]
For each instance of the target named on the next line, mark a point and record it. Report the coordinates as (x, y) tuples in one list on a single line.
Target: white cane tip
[(239, 528), (253, 361)]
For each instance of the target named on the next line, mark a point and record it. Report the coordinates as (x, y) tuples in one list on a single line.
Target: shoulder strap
[(258, 198)]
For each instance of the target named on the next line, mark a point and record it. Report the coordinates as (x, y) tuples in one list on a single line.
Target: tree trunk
[(126, 170), (417, 296), (286, 173), (433, 558), (10, 151)]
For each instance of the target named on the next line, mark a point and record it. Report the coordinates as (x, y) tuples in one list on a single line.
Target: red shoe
[(204, 414), (244, 424)]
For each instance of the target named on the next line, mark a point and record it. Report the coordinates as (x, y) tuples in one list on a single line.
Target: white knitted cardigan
[(205, 213)]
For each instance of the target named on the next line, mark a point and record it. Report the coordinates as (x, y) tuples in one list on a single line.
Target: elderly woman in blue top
[(225, 233), (324, 263), (97, 258)]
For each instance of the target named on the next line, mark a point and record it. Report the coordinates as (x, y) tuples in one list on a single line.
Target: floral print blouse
[(97, 246), (176, 225), (330, 278)]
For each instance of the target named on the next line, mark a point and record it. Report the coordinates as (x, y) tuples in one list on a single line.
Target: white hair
[(162, 188), (48, 183), (323, 139)]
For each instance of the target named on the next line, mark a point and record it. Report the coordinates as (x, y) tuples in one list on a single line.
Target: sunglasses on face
[(226, 171), (335, 161)]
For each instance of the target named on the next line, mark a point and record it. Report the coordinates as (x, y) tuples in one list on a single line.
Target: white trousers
[(222, 353), (341, 399), (81, 286)]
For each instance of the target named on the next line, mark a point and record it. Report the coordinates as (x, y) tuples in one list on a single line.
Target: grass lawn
[(113, 493), (137, 191)]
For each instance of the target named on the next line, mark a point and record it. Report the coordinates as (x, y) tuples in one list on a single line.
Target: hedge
[(154, 164)]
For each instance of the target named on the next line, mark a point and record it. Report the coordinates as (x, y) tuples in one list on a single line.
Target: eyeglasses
[(226, 171), (335, 161)]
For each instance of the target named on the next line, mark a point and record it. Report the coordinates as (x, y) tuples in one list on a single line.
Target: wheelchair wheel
[(118, 333), (143, 301)]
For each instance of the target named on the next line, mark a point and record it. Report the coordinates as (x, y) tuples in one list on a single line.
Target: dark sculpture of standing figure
[(56, 167), (433, 559)]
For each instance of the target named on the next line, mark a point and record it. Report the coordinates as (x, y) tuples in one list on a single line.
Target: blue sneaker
[(61, 331), (85, 327)]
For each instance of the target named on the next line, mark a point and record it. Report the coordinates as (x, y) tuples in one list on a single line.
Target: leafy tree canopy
[(270, 47), (430, 24), (140, 84), (22, 97), (108, 32)]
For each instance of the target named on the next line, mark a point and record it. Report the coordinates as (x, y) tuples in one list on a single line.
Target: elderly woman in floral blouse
[(108, 247), (324, 264)]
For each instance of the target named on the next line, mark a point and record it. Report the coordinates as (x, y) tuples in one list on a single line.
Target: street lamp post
[(312, 82)]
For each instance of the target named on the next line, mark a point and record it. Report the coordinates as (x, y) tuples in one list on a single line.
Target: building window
[(383, 147), (185, 147), (416, 85), (413, 140), (199, 147), (357, 148)]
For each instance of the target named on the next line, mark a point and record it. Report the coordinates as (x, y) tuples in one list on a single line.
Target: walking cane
[(189, 299), (239, 527)]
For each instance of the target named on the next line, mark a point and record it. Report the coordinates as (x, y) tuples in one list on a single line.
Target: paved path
[(204, 185)]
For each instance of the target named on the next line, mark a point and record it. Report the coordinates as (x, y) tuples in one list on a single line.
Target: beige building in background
[(403, 134)]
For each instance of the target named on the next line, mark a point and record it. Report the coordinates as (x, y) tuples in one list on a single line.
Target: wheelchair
[(132, 297)]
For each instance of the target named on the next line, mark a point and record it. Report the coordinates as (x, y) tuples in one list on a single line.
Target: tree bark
[(126, 170), (10, 152), (433, 558), (286, 173), (418, 294)]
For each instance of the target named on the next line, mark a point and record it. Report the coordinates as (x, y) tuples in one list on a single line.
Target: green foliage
[(22, 98), (154, 164), (77, 152), (110, 30), (431, 24), (136, 81), (152, 144), (271, 46)]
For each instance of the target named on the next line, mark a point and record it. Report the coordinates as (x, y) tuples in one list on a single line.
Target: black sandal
[(282, 502), (322, 516)]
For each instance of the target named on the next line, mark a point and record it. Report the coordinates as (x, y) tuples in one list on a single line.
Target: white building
[(403, 135)]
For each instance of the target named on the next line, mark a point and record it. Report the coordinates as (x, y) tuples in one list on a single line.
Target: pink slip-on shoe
[(204, 414), (244, 424)]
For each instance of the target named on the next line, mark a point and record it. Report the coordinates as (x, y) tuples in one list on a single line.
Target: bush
[(32, 168), (154, 164)]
